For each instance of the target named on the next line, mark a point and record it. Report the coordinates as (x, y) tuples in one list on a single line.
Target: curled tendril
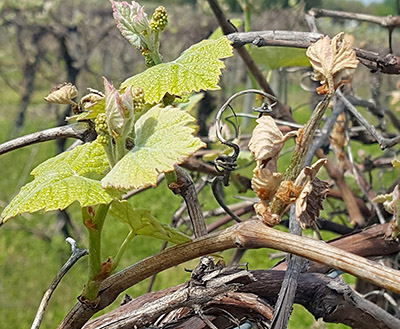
[(265, 107), (307, 76), (227, 163)]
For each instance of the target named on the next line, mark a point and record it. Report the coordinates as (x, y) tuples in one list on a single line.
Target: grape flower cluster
[(101, 129), (138, 99), (159, 19)]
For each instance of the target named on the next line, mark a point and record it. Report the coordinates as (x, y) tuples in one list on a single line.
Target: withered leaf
[(338, 137), (265, 215), (267, 141), (309, 203), (91, 98), (62, 94), (265, 183), (309, 173), (329, 57), (309, 200), (389, 200)]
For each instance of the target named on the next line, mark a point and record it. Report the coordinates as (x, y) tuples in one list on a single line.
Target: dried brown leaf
[(338, 137), (265, 215), (62, 94), (312, 191), (301, 201), (288, 192), (265, 183), (328, 58), (267, 142), (91, 98), (309, 173), (309, 203)]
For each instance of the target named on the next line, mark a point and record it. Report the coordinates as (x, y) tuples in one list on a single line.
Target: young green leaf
[(141, 222), (131, 21), (119, 110), (162, 139), (59, 182), (199, 67)]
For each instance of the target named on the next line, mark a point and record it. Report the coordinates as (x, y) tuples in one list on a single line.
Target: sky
[(367, 2)]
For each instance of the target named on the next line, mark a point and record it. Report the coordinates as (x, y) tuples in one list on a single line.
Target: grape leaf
[(141, 222), (191, 104), (199, 67), (59, 181), (163, 139)]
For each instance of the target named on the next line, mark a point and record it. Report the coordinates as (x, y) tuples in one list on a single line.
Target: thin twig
[(323, 138), (226, 219), (185, 187), (384, 294), (361, 186), (174, 223), (384, 21), (206, 320), (288, 289), (382, 141), (80, 130), (76, 254), (310, 19), (220, 211), (348, 197)]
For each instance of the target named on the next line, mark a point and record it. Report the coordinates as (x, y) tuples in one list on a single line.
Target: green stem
[(108, 149), (304, 140), (155, 52), (119, 148), (94, 224), (122, 250), (247, 18)]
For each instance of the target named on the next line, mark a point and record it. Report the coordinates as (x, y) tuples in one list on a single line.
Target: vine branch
[(384, 21), (76, 254), (389, 64), (320, 294), (80, 130), (252, 234)]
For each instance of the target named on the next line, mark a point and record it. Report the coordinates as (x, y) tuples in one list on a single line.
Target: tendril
[(227, 163)]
